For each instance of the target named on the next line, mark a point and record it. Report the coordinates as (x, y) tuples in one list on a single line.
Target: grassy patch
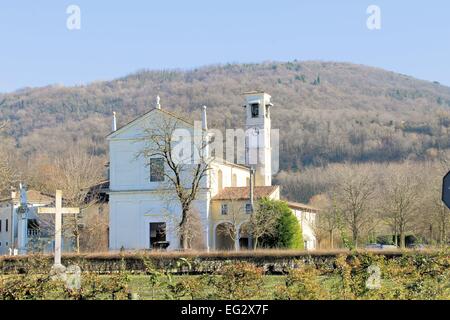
[(140, 284)]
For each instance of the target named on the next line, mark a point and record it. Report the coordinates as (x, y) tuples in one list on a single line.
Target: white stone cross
[(58, 211)]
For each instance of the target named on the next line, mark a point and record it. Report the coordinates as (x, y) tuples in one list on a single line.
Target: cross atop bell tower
[(258, 126)]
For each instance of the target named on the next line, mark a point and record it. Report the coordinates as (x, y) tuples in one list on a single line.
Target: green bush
[(289, 230), (288, 233)]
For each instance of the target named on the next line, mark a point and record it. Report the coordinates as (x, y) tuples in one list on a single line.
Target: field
[(342, 276), (141, 285)]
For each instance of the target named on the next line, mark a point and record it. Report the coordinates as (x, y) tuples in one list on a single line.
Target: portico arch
[(223, 239), (245, 239)]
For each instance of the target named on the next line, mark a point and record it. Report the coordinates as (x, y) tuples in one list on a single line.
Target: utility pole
[(252, 186), (252, 174)]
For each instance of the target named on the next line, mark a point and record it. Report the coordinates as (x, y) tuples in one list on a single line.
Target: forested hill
[(326, 112)]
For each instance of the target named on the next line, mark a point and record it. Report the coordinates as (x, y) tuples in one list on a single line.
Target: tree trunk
[(431, 233), (184, 241), (183, 230), (331, 239), (396, 237), (395, 232), (76, 234), (255, 243), (78, 243), (355, 237), (402, 238)]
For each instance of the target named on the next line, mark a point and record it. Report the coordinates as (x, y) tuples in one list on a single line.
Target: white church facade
[(143, 207)]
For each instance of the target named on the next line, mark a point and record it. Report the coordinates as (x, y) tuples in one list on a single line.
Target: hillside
[(326, 112)]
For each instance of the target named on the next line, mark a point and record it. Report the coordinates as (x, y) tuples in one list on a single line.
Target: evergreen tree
[(288, 232)]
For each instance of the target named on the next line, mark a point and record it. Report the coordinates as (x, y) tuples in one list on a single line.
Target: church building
[(144, 210)]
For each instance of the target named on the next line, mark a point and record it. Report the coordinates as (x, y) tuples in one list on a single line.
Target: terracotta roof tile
[(33, 196), (301, 206), (36, 196), (243, 193)]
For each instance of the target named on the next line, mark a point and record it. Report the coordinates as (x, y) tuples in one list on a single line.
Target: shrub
[(419, 276), (301, 284), (97, 287), (26, 287), (156, 276), (237, 281), (288, 232), (192, 287), (30, 283)]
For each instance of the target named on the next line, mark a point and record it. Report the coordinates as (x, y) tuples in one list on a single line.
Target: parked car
[(374, 246), (380, 246)]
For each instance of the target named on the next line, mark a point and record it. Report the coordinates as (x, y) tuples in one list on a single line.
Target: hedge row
[(271, 261)]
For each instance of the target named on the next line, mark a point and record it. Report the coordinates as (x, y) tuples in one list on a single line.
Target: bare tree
[(441, 219), (263, 221), (328, 219), (9, 171), (73, 172), (181, 173), (354, 192), (195, 232), (436, 220), (94, 234), (400, 200)]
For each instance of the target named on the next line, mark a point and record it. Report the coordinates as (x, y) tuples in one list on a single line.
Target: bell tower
[(258, 153)]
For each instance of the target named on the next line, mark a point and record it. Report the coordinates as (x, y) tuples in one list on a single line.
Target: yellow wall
[(236, 213), (241, 175)]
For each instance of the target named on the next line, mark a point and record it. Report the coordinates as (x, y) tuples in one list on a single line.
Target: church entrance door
[(157, 233)]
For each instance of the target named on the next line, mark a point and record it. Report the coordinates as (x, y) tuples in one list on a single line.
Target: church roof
[(101, 186), (243, 193), (33, 196), (301, 206), (221, 161), (132, 122)]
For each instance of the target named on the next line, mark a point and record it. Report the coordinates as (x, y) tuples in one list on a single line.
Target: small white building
[(21, 229), (307, 217)]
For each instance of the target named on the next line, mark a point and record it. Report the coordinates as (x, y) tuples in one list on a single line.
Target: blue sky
[(120, 37)]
